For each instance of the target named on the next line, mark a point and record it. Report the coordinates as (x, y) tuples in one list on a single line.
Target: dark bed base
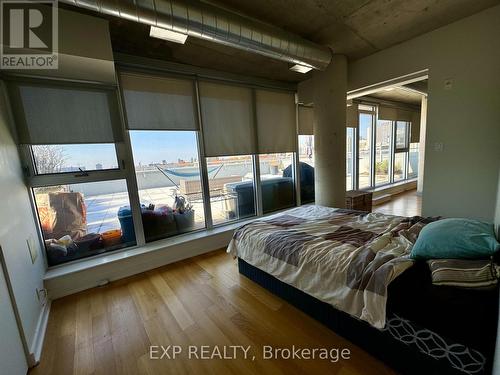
[(398, 355)]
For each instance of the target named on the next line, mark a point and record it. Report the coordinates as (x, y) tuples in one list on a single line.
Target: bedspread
[(342, 257)]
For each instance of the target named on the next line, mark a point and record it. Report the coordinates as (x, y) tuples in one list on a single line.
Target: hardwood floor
[(404, 204), (200, 301)]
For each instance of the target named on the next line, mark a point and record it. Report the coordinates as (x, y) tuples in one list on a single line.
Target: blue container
[(126, 223)]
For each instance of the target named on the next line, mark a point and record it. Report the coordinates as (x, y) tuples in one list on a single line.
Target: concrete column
[(330, 91)]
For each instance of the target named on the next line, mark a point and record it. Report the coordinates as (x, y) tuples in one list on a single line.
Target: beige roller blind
[(394, 114), (306, 120), (53, 114), (352, 118), (158, 103), (276, 121), (227, 119)]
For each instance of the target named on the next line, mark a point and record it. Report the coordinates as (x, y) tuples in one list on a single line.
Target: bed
[(351, 271)]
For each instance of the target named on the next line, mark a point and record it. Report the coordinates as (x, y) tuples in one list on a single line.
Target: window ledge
[(390, 186), (103, 259)]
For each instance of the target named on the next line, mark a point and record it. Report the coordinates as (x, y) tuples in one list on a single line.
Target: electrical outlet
[(448, 84), (438, 146), (32, 249)]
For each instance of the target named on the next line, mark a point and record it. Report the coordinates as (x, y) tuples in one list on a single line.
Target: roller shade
[(158, 103), (227, 118), (352, 118), (276, 121), (63, 115), (306, 120), (415, 128), (394, 114)]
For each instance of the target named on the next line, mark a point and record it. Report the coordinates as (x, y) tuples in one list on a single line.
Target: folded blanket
[(464, 273)]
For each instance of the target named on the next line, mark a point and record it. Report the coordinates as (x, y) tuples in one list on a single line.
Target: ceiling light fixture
[(300, 68), (171, 36), (389, 88)]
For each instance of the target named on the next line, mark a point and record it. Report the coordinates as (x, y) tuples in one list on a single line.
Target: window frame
[(392, 156), (123, 148)]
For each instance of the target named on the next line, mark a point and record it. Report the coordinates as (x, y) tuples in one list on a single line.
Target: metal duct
[(205, 21)]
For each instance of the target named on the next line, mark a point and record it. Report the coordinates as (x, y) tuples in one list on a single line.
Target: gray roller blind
[(158, 103), (352, 117), (63, 115), (227, 118), (394, 114), (276, 121), (306, 120)]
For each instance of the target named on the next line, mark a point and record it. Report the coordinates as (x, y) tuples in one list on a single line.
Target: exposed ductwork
[(206, 21)]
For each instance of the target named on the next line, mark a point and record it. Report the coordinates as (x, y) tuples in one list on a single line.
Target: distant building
[(98, 166), (72, 169)]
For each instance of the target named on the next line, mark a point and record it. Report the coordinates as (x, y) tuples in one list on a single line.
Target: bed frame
[(403, 357)]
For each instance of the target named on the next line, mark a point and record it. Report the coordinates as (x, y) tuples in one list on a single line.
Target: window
[(400, 166), (81, 220), (277, 181), (413, 160), (231, 184), (169, 182), (365, 149), (49, 159), (98, 171), (306, 162), (402, 136), (349, 183), (383, 141)]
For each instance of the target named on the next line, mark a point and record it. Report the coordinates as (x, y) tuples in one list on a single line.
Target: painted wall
[(497, 209), (463, 59), (12, 355), (16, 226)]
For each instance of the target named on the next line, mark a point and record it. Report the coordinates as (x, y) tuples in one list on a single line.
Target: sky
[(147, 147)]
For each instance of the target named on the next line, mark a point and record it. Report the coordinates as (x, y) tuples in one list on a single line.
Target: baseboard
[(39, 336), (71, 283)]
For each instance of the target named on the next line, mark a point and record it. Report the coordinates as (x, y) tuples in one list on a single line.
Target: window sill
[(109, 258), (391, 186)]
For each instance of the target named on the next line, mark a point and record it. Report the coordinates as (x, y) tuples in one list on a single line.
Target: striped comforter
[(342, 257)]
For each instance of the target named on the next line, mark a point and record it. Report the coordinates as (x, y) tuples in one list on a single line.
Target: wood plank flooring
[(404, 204), (200, 301)]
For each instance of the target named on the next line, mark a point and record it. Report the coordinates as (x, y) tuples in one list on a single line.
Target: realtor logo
[(28, 34)]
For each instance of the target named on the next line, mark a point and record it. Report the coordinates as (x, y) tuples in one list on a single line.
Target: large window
[(165, 155), (306, 164), (413, 160), (231, 184), (400, 166), (277, 181), (50, 159), (383, 150), (402, 136), (350, 158), (169, 182), (81, 220), (383, 154), (365, 149)]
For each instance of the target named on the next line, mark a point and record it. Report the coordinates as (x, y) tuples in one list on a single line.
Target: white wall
[(16, 226), (461, 180), (12, 358)]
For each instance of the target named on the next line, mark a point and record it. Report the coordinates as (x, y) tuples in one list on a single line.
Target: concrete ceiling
[(398, 94), (356, 28)]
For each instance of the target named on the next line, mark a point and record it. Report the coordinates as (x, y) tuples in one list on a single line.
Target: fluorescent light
[(171, 36), (389, 89), (300, 68)]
